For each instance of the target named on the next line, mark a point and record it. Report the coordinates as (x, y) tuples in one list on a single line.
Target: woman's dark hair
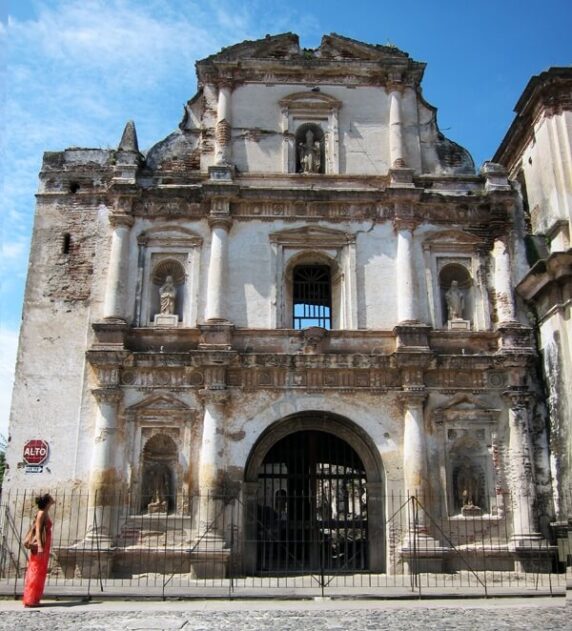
[(42, 501)]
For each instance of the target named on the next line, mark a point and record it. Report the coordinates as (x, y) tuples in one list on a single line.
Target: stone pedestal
[(166, 319), (459, 325), (85, 562), (209, 557), (422, 553)]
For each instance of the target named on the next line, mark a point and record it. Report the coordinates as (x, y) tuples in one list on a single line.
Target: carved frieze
[(291, 209), (172, 208)]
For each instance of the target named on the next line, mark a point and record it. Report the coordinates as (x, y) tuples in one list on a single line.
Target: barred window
[(312, 296)]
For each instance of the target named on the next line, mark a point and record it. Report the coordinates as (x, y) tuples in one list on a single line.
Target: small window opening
[(312, 299), (74, 187), (66, 243)]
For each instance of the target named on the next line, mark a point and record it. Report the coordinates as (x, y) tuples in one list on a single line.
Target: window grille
[(312, 300)]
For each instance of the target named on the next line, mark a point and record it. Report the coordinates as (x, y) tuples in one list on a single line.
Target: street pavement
[(308, 615)]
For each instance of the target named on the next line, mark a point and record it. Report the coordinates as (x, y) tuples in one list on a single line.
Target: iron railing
[(245, 545)]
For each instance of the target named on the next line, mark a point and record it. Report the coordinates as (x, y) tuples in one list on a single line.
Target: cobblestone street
[(331, 615)]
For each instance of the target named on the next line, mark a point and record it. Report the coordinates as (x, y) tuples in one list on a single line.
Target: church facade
[(303, 300)]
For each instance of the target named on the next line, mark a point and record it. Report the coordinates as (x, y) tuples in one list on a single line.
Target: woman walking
[(39, 553)]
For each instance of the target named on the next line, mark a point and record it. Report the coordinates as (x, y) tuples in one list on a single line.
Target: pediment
[(312, 236), (283, 46), (452, 237), (159, 402), (168, 234), (465, 407), (310, 100), (335, 46)]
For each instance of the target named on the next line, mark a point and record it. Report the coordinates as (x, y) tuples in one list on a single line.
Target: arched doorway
[(314, 499)]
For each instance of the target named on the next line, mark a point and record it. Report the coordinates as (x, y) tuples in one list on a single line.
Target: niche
[(160, 456), (310, 149), (167, 294), (455, 284)]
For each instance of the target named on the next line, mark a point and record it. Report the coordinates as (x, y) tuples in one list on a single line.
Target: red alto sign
[(36, 452)]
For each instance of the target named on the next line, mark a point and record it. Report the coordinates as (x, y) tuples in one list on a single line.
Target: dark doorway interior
[(312, 506)]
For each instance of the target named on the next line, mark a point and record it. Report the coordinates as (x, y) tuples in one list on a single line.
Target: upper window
[(312, 296)]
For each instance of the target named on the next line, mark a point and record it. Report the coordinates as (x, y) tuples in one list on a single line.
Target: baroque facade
[(301, 298)]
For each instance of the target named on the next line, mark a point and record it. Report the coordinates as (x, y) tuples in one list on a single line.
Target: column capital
[(119, 219), (220, 221), (107, 395), (519, 399), (414, 397), (214, 396), (225, 81), (401, 224)]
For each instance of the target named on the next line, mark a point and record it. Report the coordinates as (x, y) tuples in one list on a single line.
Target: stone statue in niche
[(309, 154), (168, 296), (468, 490), (158, 487), (455, 301)]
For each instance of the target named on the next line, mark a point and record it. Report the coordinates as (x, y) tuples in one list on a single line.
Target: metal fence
[(286, 545)]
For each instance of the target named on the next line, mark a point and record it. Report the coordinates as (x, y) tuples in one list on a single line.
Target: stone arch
[(328, 422), (350, 434)]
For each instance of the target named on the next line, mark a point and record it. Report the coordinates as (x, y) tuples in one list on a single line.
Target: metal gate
[(312, 507)]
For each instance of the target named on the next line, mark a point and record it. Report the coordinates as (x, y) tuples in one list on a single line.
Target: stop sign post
[(36, 452)]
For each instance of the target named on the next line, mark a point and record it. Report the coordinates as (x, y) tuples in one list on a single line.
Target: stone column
[(115, 289), (421, 552), (104, 478), (503, 284), (521, 474), (406, 299), (223, 131), (209, 557), (414, 447), (216, 308), (396, 143)]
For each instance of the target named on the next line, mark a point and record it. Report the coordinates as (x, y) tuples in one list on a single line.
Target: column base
[(222, 172), (209, 557), (422, 553), (216, 334), (532, 553), (401, 177)]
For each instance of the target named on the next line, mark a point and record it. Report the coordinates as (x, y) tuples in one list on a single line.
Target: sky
[(72, 72)]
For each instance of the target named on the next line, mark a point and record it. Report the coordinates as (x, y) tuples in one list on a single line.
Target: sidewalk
[(276, 615)]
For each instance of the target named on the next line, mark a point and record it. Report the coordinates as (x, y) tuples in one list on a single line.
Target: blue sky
[(74, 71)]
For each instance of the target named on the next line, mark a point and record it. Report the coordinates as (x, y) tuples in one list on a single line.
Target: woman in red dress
[(40, 554)]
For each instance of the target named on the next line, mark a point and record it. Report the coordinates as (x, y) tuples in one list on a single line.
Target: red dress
[(37, 570)]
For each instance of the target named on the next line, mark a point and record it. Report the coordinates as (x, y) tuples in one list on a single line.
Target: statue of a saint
[(468, 490), (455, 301), (168, 295), (309, 154), (158, 487)]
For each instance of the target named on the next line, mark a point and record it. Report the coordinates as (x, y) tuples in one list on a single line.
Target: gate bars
[(297, 545)]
